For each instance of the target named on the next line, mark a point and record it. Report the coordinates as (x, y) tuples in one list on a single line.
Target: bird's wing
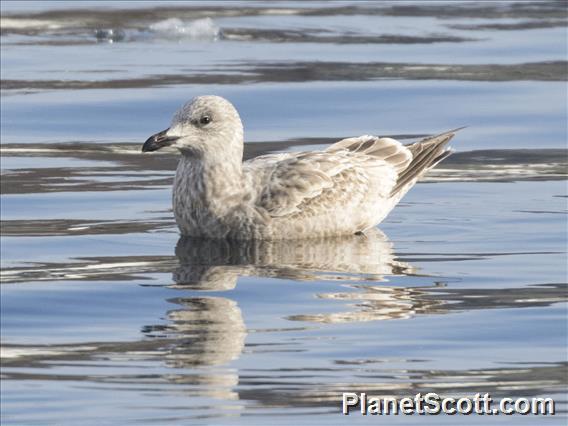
[(409, 161), (321, 181), (345, 175), (389, 150)]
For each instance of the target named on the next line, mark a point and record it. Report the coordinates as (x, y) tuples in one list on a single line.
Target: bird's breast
[(209, 203)]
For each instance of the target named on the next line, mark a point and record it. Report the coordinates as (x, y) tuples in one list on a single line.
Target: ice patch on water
[(200, 29)]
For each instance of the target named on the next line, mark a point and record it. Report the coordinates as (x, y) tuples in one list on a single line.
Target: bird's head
[(204, 124)]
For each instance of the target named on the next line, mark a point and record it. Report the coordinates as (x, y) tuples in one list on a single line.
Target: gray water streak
[(134, 171), (95, 17), (313, 71)]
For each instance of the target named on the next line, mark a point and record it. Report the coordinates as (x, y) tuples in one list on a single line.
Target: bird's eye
[(205, 119)]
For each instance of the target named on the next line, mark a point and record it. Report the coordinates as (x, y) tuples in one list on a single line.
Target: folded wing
[(318, 183)]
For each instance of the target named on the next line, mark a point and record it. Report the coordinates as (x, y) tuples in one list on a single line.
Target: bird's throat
[(212, 185)]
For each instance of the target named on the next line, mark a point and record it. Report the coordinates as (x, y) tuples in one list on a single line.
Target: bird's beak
[(159, 140)]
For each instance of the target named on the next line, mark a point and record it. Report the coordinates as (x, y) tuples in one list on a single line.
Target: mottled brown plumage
[(347, 188)]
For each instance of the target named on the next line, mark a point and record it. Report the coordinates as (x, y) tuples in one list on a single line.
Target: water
[(108, 317)]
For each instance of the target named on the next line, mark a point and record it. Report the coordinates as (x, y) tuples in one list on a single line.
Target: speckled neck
[(209, 179)]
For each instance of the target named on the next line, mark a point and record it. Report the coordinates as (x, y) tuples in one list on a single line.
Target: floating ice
[(110, 35), (200, 29)]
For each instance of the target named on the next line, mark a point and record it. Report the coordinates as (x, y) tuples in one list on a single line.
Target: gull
[(348, 188)]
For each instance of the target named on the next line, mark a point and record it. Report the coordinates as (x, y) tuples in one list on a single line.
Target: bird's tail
[(425, 155)]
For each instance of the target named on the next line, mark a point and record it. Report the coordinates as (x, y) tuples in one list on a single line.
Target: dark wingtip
[(449, 132), (449, 135)]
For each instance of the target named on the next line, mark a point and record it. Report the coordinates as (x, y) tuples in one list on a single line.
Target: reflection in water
[(375, 303), (358, 261), (520, 380), (216, 264), (205, 331), (211, 330), (204, 334)]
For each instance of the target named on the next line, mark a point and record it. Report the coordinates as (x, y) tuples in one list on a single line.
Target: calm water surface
[(109, 317)]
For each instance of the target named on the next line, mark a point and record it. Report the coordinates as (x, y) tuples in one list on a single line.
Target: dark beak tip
[(157, 141), (149, 145)]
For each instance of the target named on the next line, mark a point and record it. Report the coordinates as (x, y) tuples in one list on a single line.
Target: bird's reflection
[(211, 330), (215, 265)]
